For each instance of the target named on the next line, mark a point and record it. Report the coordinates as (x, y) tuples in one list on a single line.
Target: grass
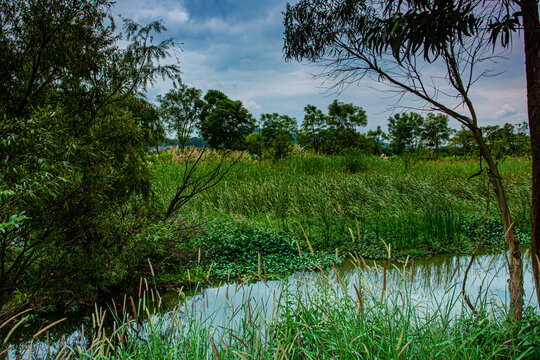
[(421, 207), (319, 315)]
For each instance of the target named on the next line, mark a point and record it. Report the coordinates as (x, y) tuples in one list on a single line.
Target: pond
[(432, 282)]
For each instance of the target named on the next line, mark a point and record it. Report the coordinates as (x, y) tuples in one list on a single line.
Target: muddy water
[(427, 280)]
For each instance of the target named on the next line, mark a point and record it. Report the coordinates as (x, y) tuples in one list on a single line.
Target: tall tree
[(278, 132), (435, 131), (182, 109), (335, 131), (226, 123), (344, 116), (395, 41), (404, 132), (71, 144), (313, 127)]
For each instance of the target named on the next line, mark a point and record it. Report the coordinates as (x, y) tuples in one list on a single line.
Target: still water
[(431, 282)]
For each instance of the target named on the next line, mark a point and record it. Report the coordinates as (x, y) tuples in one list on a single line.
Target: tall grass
[(318, 315), (419, 207)]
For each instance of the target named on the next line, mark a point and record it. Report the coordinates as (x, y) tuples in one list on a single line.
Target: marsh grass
[(317, 315), (420, 207)]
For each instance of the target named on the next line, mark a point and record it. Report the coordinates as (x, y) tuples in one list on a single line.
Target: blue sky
[(236, 46)]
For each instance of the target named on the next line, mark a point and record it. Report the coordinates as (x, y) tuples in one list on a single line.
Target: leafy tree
[(313, 127), (343, 121), (395, 41), (278, 132), (343, 116), (521, 144), (435, 131), (182, 109), (226, 123), (404, 132), (376, 136), (463, 142), (333, 132), (254, 143), (72, 144), (507, 140), (148, 120)]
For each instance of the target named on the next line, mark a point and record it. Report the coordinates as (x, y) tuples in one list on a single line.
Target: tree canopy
[(226, 122), (182, 108), (278, 133), (66, 80)]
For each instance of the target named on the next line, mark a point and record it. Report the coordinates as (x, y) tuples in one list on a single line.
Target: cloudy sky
[(236, 46)]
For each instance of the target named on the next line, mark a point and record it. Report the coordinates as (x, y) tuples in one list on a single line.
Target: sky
[(235, 46)]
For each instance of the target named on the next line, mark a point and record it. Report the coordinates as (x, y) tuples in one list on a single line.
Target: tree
[(254, 143), (435, 131), (376, 136), (333, 132), (148, 121), (463, 142), (404, 132), (395, 41), (72, 144), (226, 123), (182, 109), (345, 116), (343, 121), (278, 132), (313, 127)]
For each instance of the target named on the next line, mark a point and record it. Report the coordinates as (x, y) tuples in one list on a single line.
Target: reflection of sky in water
[(434, 281)]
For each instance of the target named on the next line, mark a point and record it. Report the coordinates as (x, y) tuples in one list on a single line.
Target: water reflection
[(426, 282)]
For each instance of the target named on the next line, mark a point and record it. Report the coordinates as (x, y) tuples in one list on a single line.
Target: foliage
[(254, 143), (491, 232), (435, 131), (419, 207), (67, 82), (404, 132), (226, 122), (463, 143), (332, 133), (148, 120), (508, 140), (376, 136), (236, 247), (182, 108), (278, 132)]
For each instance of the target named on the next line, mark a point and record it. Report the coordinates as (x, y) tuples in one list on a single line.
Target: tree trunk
[(532, 68), (515, 263)]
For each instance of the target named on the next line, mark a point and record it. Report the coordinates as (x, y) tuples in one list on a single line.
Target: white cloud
[(505, 110), (251, 105)]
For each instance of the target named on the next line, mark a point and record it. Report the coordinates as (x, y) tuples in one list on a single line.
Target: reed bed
[(316, 315), (419, 207)]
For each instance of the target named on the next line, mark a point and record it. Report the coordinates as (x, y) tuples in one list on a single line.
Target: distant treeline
[(224, 123)]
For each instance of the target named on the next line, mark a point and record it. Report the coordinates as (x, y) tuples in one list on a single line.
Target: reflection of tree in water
[(436, 275), (432, 278)]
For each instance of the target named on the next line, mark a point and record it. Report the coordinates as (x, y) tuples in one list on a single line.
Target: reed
[(318, 315), (420, 208)]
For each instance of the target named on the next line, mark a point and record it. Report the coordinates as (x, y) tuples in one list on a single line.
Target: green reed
[(318, 315), (418, 207)]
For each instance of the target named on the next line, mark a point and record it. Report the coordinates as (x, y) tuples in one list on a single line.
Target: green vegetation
[(420, 207), (319, 315), (87, 209)]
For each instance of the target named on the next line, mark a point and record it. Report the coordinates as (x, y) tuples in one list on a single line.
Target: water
[(429, 281)]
